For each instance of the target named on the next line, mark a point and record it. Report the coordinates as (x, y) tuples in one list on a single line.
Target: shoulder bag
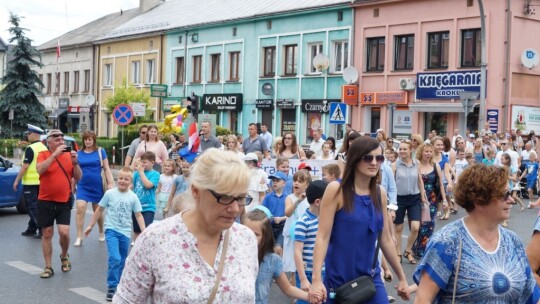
[(220, 268), (103, 175), (71, 199), (362, 288), (457, 272)]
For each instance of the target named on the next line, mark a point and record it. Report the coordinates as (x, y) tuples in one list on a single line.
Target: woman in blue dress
[(89, 188), (351, 217), (474, 257)]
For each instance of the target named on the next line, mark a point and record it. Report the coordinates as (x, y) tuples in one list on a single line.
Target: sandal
[(409, 256), (66, 264), (47, 272)]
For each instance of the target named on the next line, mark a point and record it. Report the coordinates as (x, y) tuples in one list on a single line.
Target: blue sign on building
[(338, 113), (446, 85), (493, 119)]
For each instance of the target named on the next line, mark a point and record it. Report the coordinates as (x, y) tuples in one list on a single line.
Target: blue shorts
[(531, 183), (410, 204), (148, 219)]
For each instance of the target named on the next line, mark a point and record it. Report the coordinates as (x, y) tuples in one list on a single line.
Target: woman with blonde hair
[(381, 138), (197, 242), (152, 143), (276, 145), (416, 141), (232, 145), (290, 149)]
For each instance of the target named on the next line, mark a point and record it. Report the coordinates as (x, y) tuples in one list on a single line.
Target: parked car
[(8, 197), (68, 141)]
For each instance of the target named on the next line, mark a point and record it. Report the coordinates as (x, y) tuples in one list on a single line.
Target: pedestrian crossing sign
[(338, 113)]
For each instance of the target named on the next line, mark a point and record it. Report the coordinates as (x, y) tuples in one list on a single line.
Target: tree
[(21, 85), (127, 93)]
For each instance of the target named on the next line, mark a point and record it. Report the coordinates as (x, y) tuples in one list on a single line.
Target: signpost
[(338, 113), (158, 90), (122, 116), (349, 94)]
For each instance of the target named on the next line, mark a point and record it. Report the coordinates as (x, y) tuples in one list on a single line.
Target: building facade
[(415, 57)]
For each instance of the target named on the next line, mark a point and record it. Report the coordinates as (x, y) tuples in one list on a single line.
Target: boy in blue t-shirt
[(121, 203), (145, 182), (532, 174), (275, 202), (305, 234)]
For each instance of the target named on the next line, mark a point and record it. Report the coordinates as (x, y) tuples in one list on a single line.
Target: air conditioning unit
[(407, 84)]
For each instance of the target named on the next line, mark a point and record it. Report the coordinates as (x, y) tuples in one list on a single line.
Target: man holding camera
[(56, 168)]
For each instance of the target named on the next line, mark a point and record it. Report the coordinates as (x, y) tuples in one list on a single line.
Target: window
[(86, 81), (269, 61), (107, 77), (341, 56), (214, 72), (49, 83), (179, 69), (438, 50), (76, 82), (40, 85), (290, 59), (339, 16), (234, 63), (404, 56), (197, 63), (150, 70), (66, 82), (470, 48), (136, 72), (57, 83), (314, 50), (375, 54)]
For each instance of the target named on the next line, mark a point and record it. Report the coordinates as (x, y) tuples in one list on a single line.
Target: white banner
[(269, 166), (402, 122), (526, 119)]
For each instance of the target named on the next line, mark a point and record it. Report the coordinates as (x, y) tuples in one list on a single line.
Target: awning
[(57, 113), (455, 107)]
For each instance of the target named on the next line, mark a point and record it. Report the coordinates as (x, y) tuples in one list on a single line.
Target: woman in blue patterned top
[(487, 261)]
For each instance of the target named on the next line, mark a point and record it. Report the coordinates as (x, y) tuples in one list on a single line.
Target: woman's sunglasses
[(369, 158)]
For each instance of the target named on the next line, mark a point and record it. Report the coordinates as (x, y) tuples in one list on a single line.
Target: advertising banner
[(402, 122), (446, 85), (526, 119), (269, 166)]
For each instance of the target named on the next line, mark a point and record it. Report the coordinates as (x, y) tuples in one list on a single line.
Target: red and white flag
[(57, 49)]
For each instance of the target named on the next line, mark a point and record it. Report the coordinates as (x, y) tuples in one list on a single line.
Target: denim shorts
[(409, 204)]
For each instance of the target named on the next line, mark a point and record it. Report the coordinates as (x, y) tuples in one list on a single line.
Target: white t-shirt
[(316, 146), (513, 157), (459, 166), (258, 183)]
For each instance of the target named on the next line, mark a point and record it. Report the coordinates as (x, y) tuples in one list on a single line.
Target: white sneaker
[(78, 242), (101, 237)]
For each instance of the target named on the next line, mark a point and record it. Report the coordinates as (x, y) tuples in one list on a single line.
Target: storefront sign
[(367, 98), (265, 104), (79, 109), (493, 119), (158, 90), (316, 105), (526, 119), (372, 98), (168, 103), (288, 126), (285, 103), (402, 122), (349, 94), (446, 85), (222, 102)]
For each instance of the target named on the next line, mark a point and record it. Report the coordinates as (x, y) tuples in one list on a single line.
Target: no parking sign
[(123, 114)]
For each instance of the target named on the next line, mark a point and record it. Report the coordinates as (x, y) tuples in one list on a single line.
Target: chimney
[(146, 5)]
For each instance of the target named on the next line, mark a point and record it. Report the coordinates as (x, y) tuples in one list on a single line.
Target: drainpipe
[(483, 64), (185, 64), (507, 66)]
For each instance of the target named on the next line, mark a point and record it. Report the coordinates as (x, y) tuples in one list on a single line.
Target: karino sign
[(222, 102), (446, 85)]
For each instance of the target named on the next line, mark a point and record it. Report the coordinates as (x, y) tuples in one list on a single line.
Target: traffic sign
[(123, 114), (158, 90), (349, 94), (338, 113)]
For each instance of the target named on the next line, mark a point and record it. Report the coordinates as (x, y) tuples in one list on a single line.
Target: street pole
[(483, 65)]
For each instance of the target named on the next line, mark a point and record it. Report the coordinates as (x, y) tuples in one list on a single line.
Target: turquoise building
[(252, 61)]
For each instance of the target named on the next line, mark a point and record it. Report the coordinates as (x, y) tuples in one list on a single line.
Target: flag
[(57, 49), (190, 152)]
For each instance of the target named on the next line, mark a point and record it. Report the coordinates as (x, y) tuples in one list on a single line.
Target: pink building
[(415, 56)]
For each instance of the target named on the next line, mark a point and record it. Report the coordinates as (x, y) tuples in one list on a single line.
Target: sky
[(48, 19)]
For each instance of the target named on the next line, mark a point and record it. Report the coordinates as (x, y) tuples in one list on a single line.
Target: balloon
[(174, 121)]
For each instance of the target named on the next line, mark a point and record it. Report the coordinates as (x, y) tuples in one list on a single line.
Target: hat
[(315, 190), (265, 210), (54, 132), (35, 129), (278, 175), (304, 166), (471, 136), (251, 156)]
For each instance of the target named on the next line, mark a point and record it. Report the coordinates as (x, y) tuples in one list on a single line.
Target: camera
[(67, 149)]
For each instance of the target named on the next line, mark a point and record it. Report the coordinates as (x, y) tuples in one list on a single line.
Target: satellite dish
[(350, 74), (529, 58), (90, 100)]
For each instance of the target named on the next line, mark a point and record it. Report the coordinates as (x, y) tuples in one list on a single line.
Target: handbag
[(103, 176), (220, 268), (426, 216), (362, 288)]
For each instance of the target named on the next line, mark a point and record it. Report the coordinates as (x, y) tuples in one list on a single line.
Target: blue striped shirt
[(306, 232)]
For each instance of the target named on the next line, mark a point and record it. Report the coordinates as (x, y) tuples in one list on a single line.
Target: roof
[(178, 14), (3, 45), (85, 34)]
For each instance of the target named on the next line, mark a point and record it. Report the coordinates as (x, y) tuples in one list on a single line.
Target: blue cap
[(35, 129), (278, 175)]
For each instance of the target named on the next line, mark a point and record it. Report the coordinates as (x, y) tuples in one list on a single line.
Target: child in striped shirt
[(305, 234)]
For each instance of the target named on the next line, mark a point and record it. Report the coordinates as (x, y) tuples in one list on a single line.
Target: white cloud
[(47, 19)]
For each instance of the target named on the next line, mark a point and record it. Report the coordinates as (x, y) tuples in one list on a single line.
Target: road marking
[(90, 293), (28, 268)]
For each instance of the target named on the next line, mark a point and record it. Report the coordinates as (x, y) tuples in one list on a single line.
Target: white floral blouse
[(165, 266)]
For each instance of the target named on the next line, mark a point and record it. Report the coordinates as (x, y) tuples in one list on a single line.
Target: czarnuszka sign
[(222, 102), (446, 85)]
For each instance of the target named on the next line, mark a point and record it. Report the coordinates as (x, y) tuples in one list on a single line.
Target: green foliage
[(127, 93), (107, 144), (222, 131), (8, 145), (21, 85)]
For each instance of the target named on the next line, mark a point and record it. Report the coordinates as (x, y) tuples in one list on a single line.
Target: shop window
[(439, 44), (313, 123), (375, 119), (269, 65), (375, 54), (470, 48), (436, 121), (404, 54)]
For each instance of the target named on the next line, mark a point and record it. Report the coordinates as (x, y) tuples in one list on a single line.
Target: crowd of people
[(290, 227)]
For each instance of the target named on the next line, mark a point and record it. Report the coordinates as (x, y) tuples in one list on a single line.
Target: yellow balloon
[(176, 111)]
